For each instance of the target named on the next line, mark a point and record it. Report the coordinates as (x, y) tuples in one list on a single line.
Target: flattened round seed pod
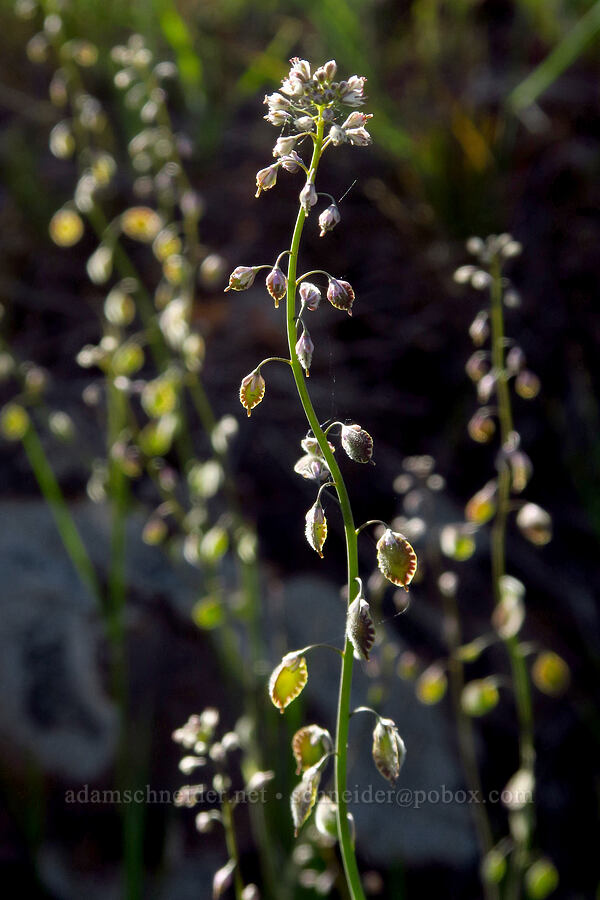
[(252, 390), (314, 468), (396, 559), (340, 294), (359, 628), (304, 797), (309, 746), (316, 527), (482, 505), (389, 751), (276, 284), (551, 673), (479, 697), (357, 443), (287, 680)]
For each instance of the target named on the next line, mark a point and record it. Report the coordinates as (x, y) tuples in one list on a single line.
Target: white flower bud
[(308, 197), (266, 178), (310, 295), (284, 145), (328, 219)]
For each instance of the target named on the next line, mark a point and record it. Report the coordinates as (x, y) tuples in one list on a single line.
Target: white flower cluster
[(305, 102), (303, 94)]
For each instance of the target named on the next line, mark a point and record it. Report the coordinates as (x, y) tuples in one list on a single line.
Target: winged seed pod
[(359, 626), (389, 751), (357, 443), (396, 559), (276, 284), (482, 505), (310, 295), (328, 219), (340, 294), (312, 468), (304, 797), (309, 745), (479, 696), (287, 680), (316, 527), (304, 350), (252, 390)]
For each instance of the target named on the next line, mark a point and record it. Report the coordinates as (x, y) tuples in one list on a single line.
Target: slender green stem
[(465, 735), (312, 272), (231, 842), (370, 522), (270, 359), (343, 712), (522, 686), (67, 528)]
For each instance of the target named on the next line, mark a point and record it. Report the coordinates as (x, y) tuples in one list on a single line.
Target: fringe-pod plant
[(498, 369), (149, 394), (315, 110)]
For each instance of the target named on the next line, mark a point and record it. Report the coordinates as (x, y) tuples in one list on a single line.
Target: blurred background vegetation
[(486, 119)]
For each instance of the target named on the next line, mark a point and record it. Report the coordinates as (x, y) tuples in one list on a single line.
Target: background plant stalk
[(343, 712), (522, 687)]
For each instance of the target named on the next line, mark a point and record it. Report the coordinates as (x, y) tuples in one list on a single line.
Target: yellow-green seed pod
[(396, 559), (155, 531), (141, 223), (482, 506), (119, 307), (304, 797), (316, 527), (66, 227), (431, 685), (166, 243), (471, 652), (252, 390), (457, 542), (127, 359), (479, 697), (159, 397), (14, 422), (309, 745), (357, 443), (551, 674), (208, 613), (493, 867), (288, 680), (156, 438), (389, 751), (541, 879), (214, 545)]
